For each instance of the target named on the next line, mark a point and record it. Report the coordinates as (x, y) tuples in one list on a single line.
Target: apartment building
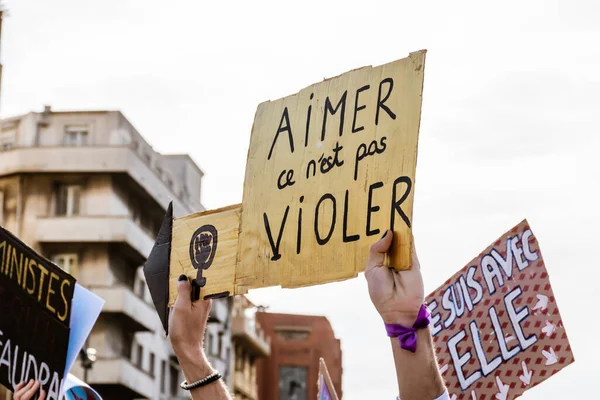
[(85, 189), (297, 343), (250, 344)]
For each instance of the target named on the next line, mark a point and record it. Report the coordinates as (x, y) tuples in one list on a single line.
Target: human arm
[(187, 323), (26, 390), (398, 297)]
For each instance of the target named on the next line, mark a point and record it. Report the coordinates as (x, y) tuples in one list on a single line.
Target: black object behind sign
[(35, 312)]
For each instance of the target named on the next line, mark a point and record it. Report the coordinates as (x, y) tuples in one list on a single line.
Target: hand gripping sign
[(495, 324), (329, 168)]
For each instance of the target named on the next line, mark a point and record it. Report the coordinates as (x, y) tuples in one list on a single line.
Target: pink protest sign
[(325, 385), (496, 326)]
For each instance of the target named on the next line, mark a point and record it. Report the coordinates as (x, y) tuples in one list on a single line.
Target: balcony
[(243, 383), (119, 378), (132, 312), (95, 229), (92, 159), (244, 330)]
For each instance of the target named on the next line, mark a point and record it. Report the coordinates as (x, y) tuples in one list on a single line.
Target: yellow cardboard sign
[(329, 169)]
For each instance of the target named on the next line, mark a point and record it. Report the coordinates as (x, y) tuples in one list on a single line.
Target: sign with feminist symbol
[(329, 169), (496, 325)]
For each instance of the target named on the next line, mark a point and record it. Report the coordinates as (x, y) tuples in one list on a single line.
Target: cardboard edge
[(157, 266)]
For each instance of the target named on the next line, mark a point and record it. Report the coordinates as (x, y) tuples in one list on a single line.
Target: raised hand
[(397, 295)]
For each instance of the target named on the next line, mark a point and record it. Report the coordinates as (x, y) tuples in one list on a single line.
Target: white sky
[(509, 126)]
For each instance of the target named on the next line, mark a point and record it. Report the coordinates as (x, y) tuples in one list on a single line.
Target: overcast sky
[(509, 127)]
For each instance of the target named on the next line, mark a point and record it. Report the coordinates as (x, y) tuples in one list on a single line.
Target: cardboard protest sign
[(496, 325), (35, 310), (329, 168), (210, 254), (326, 389)]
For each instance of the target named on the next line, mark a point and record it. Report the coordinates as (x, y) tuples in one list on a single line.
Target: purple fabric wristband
[(408, 336)]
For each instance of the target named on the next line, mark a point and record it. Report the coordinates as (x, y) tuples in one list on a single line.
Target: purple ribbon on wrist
[(407, 336)]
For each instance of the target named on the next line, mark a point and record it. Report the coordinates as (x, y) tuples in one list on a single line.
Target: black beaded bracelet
[(215, 376)]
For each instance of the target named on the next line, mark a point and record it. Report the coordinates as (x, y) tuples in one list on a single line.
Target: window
[(151, 367), (289, 334), (68, 198), (7, 140), (76, 135), (67, 262), (139, 356), (163, 376), (220, 348), (293, 383), (174, 378)]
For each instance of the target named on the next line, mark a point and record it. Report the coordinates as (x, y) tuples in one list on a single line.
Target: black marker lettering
[(357, 108), (333, 218), (329, 109), (284, 117), (275, 246), (299, 237), (308, 121), (313, 164), (372, 209), (381, 103), (345, 237), (289, 179), (397, 203)]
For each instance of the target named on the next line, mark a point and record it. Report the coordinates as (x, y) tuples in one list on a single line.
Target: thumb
[(379, 250), (184, 293)]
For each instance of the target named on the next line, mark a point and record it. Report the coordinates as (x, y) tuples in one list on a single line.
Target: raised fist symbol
[(203, 247)]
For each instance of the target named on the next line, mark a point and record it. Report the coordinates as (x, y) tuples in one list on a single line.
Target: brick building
[(297, 343)]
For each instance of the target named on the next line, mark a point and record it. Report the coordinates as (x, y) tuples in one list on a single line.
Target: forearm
[(418, 374), (195, 366)]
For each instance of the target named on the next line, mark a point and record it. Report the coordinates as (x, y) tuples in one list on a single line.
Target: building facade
[(297, 343), (87, 191), (250, 344)]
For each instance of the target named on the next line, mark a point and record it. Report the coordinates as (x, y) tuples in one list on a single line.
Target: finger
[(42, 395), (203, 307), (184, 293), (379, 249), (20, 385), (30, 392), (24, 389)]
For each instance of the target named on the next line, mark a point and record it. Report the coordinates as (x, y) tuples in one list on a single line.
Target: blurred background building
[(250, 344), (297, 343), (87, 191), (84, 189)]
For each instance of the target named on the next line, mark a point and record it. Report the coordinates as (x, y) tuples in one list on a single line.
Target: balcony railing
[(93, 159), (94, 229), (119, 375), (242, 382), (244, 328), (134, 313)]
